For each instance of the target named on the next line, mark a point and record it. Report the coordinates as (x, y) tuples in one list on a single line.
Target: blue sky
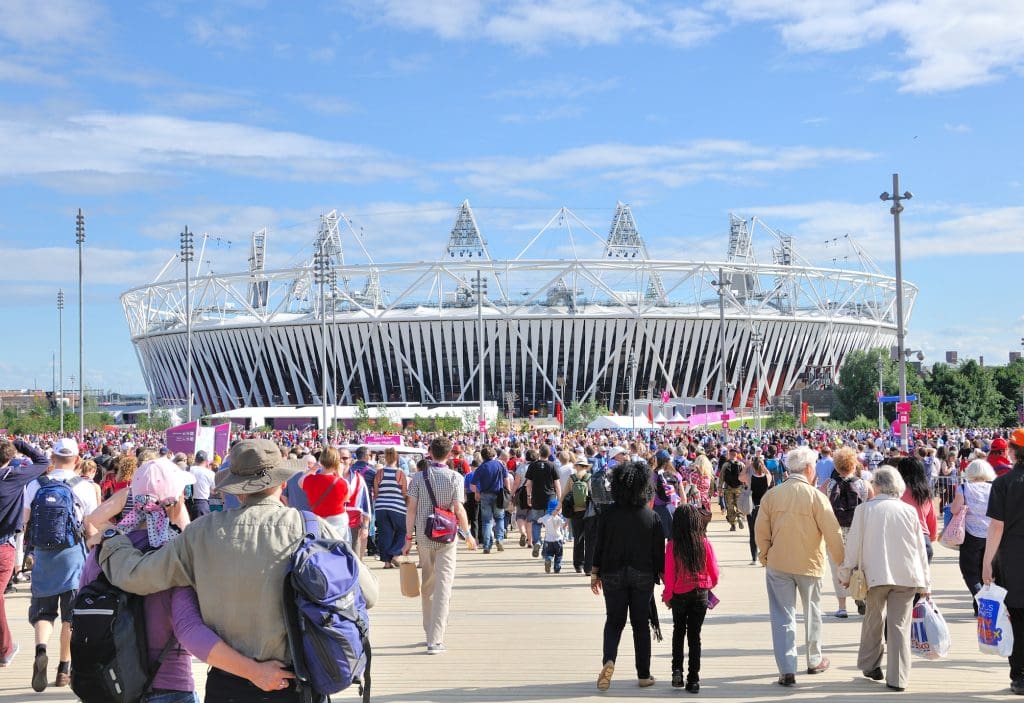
[(229, 116)]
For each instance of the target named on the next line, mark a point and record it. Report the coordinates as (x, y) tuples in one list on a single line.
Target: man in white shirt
[(57, 572), (199, 504)]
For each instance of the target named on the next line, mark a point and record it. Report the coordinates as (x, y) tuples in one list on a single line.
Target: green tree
[(1009, 382), (363, 421), (967, 395), (857, 392), (578, 415), (159, 421)]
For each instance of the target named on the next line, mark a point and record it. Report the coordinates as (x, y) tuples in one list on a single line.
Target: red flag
[(650, 412), (803, 414), (558, 413)]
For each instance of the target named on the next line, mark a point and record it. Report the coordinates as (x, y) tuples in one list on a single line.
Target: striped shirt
[(448, 488), (389, 493)]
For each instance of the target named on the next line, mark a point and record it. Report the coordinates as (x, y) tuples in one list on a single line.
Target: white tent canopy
[(620, 422)]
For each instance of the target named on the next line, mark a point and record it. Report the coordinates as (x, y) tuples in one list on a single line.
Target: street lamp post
[(881, 392), (632, 389), (479, 290), (186, 255), (320, 278), (560, 381), (758, 340), (334, 352), (722, 379), (80, 240), (896, 209), (60, 356)]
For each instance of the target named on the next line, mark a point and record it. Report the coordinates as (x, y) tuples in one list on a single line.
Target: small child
[(691, 571), (554, 534)]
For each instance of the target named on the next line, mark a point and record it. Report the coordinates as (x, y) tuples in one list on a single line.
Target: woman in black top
[(628, 561), (758, 480)]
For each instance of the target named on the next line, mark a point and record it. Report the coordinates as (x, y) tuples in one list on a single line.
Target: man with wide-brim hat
[(236, 561)]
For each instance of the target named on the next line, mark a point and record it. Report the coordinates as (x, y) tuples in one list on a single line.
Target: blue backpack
[(54, 523), (328, 628)]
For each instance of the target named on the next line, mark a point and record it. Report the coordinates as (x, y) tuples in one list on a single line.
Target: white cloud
[(31, 22), (210, 33), (112, 144), (560, 112), (947, 44), (671, 165), (14, 72), (322, 103), (563, 87), (959, 128), (530, 25)]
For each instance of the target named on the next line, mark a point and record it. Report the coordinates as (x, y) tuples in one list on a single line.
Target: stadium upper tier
[(606, 317)]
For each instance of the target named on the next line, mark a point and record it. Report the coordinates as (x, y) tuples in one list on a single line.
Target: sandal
[(604, 679)]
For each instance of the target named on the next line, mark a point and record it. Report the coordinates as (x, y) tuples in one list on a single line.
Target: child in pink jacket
[(691, 571)]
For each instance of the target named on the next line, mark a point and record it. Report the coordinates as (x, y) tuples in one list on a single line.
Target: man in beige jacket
[(794, 525)]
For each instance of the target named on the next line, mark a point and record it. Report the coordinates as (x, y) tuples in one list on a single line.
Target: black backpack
[(109, 650), (844, 500)]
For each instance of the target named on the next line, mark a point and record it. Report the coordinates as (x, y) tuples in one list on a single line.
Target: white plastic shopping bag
[(929, 634), (994, 633)]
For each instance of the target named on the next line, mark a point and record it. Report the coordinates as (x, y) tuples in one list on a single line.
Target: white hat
[(615, 451), (66, 447)]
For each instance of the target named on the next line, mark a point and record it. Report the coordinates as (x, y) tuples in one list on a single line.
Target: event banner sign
[(183, 437), (387, 439)]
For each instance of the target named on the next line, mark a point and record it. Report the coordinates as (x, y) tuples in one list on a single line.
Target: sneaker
[(39, 672), (753, 562), (875, 674), (740, 525), (1017, 687), (895, 688), (787, 680), (693, 686), (579, 569), (487, 550), (558, 569), (821, 668), (6, 661), (677, 678), (499, 546), (646, 683), (732, 528), (536, 550), (522, 540), (604, 679), (547, 566), (842, 614), (438, 648)]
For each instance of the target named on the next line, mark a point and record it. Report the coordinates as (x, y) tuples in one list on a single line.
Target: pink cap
[(162, 479)]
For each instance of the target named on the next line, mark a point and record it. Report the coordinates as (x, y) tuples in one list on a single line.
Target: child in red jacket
[(691, 571)]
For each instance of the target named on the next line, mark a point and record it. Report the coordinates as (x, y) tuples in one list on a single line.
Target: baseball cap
[(999, 444), (615, 451), (1017, 437), (66, 446), (161, 479), (663, 455)]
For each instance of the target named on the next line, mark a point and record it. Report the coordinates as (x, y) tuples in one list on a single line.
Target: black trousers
[(579, 542), (1017, 657), (972, 552), (688, 613), (628, 592), (590, 542), (751, 521), (222, 687), (473, 514)]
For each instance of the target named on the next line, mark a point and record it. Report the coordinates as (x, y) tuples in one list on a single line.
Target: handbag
[(858, 588), (441, 526), (745, 501), (955, 531)]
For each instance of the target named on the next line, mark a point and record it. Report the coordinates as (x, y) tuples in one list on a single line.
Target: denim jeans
[(171, 697), (553, 550), (492, 520), (628, 592)]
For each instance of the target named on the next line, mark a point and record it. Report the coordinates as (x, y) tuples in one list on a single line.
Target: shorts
[(45, 607), (522, 514)]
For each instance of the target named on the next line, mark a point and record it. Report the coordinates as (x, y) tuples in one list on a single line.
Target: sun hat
[(582, 461), (162, 479), (255, 465)]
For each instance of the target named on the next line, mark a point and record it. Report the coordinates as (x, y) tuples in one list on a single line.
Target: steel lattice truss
[(553, 330)]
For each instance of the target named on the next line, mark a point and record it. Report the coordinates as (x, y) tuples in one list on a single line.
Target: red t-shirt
[(314, 487)]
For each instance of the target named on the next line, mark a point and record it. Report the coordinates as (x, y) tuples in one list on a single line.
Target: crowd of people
[(632, 508)]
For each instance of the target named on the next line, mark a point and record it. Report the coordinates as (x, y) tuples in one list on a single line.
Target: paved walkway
[(519, 635)]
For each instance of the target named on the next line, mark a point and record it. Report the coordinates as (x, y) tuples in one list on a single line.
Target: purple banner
[(221, 439), (183, 437), (388, 439)]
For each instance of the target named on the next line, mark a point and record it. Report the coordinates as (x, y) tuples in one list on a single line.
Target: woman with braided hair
[(628, 560)]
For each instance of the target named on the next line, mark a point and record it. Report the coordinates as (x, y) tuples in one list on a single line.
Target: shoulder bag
[(441, 525)]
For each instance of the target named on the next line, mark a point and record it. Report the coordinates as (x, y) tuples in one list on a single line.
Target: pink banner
[(707, 418), (390, 439), (183, 437), (221, 439)]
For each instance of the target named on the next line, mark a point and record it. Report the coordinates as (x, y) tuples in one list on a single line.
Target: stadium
[(599, 319)]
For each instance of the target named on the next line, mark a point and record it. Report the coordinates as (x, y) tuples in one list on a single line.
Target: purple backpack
[(328, 628)]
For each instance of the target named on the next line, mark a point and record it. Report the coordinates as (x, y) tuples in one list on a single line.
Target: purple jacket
[(176, 611)]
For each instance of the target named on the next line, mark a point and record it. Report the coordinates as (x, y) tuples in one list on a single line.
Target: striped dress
[(389, 493)]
